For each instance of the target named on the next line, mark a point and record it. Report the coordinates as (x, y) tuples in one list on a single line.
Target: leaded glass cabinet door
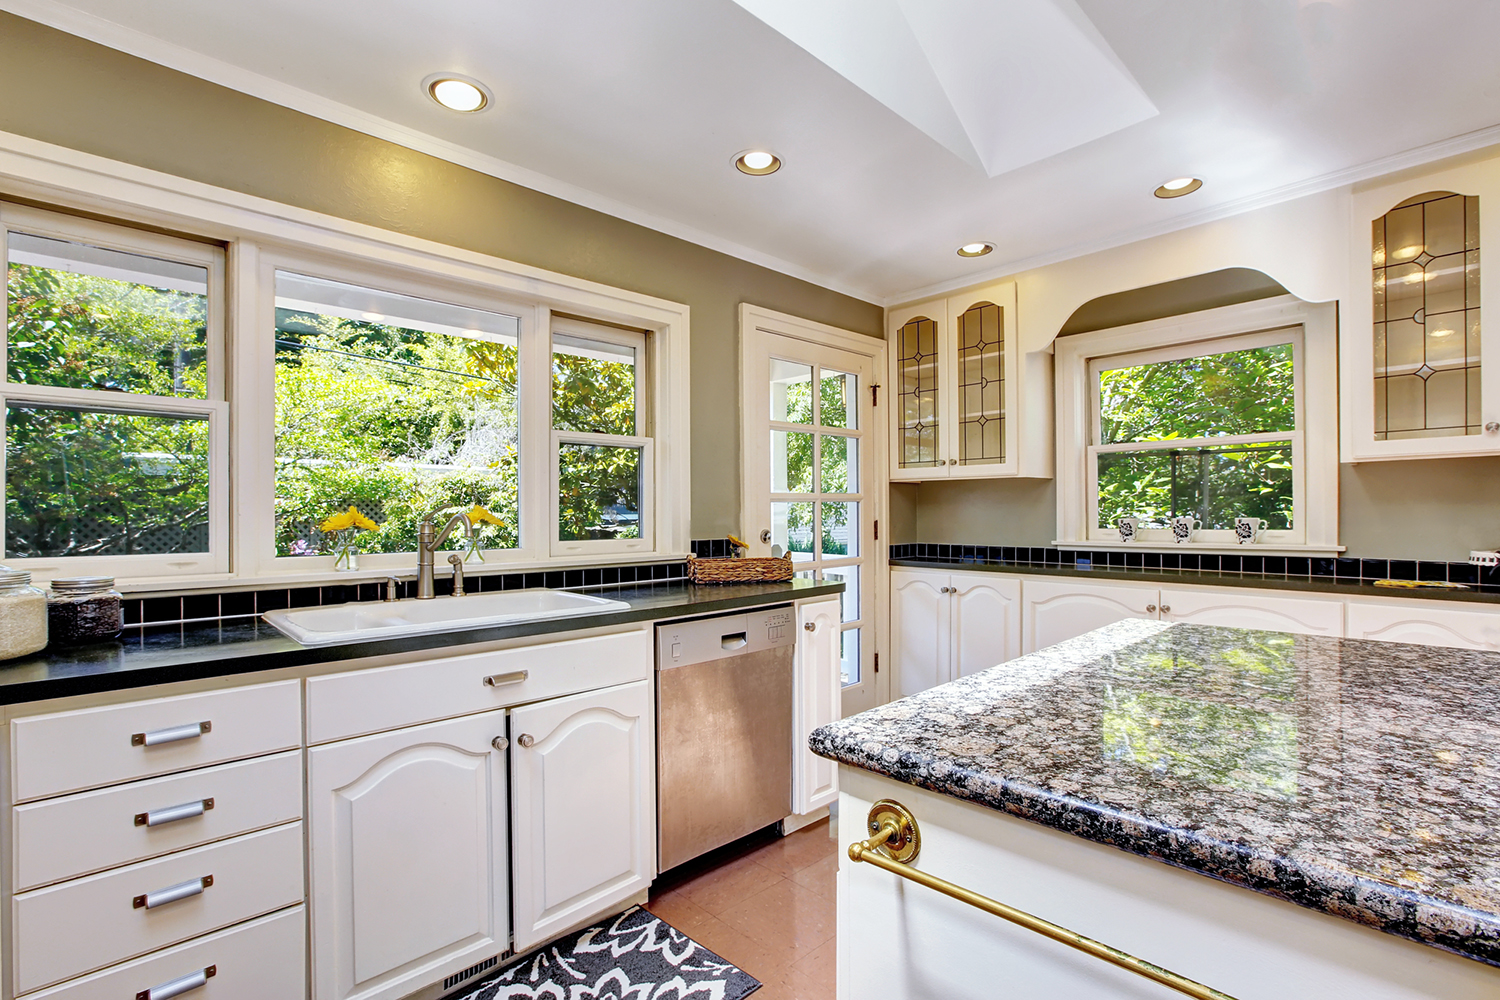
[(982, 405), (916, 393)]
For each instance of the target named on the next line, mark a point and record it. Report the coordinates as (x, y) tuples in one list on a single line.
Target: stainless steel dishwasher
[(724, 729)]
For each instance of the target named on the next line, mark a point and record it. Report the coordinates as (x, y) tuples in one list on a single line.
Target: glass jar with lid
[(23, 615), (83, 609)]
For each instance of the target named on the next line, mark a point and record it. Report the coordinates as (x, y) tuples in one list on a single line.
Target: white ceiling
[(638, 107)]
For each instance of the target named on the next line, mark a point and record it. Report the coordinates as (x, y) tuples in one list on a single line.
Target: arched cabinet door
[(919, 630), (583, 772), (408, 857), (1057, 611)]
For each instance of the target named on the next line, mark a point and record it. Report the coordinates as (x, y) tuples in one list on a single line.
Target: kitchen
[(933, 536)]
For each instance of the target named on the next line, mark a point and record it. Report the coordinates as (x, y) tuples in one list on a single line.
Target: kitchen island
[(1348, 792)]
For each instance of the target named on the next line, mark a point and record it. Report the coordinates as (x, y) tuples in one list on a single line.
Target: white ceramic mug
[(1248, 529), (1184, 526), (1128, 526)]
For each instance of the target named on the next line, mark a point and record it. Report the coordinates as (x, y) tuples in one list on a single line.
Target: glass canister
[(23, 615), (83, 609)]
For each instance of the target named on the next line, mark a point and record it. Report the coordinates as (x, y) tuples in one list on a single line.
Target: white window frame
[(214, 408), (256, 232), (642, 439), (1311, 328)]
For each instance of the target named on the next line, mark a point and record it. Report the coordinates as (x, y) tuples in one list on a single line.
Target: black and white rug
[(633, 956)]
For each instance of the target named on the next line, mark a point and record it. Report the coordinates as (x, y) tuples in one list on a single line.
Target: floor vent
[(470, 972)]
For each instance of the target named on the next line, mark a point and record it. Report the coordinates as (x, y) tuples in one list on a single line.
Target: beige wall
[(71, 92)]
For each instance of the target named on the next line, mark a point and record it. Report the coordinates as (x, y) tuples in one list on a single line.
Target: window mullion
[(538, 448)]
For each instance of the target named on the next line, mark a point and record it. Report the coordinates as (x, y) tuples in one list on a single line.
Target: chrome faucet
[(428, 541)]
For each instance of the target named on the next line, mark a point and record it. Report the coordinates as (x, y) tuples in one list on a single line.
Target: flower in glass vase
[(344, 529), (479, 516)]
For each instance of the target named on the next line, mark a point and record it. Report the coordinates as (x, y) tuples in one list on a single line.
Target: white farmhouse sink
[(389, 620)]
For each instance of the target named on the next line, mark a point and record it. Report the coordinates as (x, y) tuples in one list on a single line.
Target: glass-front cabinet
[(1417, 382), (958, 405)]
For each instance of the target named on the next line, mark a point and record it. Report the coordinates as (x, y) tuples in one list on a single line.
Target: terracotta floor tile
[(819, 966), (790, 855), (787, 918), (724, 887), (821, 877), (681, 912), (762, 960)]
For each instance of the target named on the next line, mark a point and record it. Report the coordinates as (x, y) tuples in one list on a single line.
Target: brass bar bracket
[(895, 840)]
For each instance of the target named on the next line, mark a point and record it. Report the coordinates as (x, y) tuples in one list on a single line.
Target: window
[(115, 421), (1229, 413), (602, 452)]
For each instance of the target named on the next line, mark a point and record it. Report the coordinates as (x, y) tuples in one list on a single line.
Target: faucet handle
[(392, 587)]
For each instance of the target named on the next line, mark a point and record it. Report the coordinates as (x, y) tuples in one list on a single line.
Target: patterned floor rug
[(632, 956)]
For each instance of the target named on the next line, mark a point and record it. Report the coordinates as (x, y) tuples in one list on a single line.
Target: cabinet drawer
[(381, 698), (75, 927), (264, 959), (87, 748), (62, 838)]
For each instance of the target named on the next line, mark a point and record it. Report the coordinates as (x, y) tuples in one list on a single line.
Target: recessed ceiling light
[(757, 162), (456, 92), (975, 249), (1179, 187)]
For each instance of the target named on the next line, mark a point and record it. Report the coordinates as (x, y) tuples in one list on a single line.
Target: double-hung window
[(116, 458)]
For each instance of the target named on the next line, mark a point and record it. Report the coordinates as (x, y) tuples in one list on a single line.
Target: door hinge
[(877, 531), (875, 394), (877, 663)]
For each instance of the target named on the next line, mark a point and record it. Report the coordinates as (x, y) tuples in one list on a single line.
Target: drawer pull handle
[(514, 677), (172, 814), (180, 985), (191, 731), (172, 893)]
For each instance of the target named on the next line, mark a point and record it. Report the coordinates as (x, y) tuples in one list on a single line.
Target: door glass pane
[(981, 385), (838, 400), (849, 577), (598, 492), (840, 464), (849, 654), (792, 528), (840, 529), (89, 318), (917, 393), (393, 405), (89, 482), (594, 386), (791, 392), (791, 462)]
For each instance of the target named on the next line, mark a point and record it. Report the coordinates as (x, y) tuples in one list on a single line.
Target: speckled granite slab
[(1357, 778)]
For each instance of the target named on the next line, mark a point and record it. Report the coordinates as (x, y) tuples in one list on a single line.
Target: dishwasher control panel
[(705, 639)]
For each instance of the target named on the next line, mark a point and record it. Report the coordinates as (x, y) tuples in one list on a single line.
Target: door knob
[(499, 742), (526, 740)]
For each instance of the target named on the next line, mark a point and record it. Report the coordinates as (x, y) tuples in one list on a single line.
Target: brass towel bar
[(896, 840)]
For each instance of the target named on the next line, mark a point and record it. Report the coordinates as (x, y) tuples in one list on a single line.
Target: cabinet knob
[(811, 626), (1166, 608), (1492, 426), (499, 742), (1151, 609), (526, 740)]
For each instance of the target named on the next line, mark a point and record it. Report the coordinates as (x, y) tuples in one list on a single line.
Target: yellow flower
[(481, 515), (350, 518)]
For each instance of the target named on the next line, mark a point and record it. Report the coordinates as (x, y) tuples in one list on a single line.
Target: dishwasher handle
[(734, 640)]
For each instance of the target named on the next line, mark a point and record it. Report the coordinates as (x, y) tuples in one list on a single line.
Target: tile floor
[(768, 908)]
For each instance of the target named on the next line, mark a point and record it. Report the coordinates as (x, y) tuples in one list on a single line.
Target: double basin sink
[(342, 623)]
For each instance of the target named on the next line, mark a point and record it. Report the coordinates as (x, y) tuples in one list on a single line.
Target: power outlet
[(1487, 558)]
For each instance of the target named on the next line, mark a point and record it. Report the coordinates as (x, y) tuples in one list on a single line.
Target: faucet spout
[(429, 540)]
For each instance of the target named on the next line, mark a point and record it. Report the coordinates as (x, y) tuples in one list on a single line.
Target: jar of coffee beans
[(83, 609)]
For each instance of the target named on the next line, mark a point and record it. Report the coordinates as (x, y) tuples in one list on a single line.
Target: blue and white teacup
[(1248, 529), (1129, 526), (1183, 527)]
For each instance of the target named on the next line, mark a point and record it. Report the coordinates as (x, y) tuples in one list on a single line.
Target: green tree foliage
[(1234, 393), (599, 487), (835, 407)]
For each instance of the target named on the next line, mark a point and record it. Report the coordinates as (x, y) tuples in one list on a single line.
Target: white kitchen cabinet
[(817, 703), (1237, 608), (1059, 609), (407, 844), (965, 402), (1425, 623), (583, 773), (948, 625)]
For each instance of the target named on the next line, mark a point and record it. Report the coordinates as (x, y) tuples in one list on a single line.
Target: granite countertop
[(1357, 778), (1209, 578), (166, 653)]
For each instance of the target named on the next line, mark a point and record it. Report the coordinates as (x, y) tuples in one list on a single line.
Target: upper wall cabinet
[(964, 401), (1418, 380)]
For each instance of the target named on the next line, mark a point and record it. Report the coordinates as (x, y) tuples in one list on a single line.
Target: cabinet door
[(980, 362), (1238, 609), (583, 769), (1421, 623), (815, 779), (918, 392), (1055, 611), (986, 614), (919, 629), (408, 857)]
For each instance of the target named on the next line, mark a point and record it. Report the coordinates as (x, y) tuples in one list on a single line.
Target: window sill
[(1253, 549)]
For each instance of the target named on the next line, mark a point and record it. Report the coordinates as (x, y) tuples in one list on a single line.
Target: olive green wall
[(64, 90)]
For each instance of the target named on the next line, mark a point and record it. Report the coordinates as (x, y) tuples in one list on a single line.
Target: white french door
[(813, 475)]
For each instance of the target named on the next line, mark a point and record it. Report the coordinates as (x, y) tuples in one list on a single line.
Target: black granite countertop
[(1357, 778), (1209, 578), (167, 653)]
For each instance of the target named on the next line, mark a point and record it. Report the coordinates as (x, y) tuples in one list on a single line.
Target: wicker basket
[(739, 570)]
